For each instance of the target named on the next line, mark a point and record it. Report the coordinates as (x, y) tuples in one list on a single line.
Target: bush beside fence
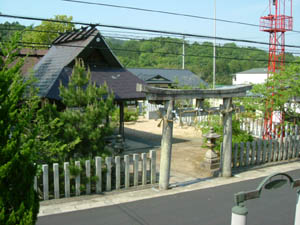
[(113, 173)]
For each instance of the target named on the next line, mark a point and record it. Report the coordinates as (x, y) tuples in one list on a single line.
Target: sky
[(237, 10)]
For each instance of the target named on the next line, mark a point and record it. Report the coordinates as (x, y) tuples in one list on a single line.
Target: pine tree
[(18, 200), (87, 108)]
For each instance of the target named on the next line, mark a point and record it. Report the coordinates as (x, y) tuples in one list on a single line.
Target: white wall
[(250, 78)]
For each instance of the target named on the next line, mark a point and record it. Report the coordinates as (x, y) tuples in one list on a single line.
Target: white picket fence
[(112, 173), (256, 127), (265, 151)]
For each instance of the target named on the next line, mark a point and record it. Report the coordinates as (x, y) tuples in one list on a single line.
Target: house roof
[(184, 77), (119, 80), (55, 65), (255, 71), (31, 57)]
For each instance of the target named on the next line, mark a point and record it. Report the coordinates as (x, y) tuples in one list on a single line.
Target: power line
[(167, 12), (142, 30), (141, 38), (153, 52)]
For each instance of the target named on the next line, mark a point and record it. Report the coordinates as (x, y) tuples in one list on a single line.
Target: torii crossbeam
[(169, 96)]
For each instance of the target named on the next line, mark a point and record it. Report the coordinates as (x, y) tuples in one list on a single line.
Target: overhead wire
[(144, 30), (153, 52), (141, 38), (166, 12)]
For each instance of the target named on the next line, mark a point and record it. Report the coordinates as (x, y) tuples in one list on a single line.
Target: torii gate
[(169, 96)]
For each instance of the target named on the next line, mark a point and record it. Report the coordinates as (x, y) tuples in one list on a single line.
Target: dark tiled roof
[(120, 81), (184, 77), (53, 67), (50, 66), (31, 57)]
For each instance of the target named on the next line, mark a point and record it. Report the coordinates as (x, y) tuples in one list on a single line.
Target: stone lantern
[(211, 160)]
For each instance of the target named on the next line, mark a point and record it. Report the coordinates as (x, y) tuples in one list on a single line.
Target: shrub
[(238, 135), (18, 200)]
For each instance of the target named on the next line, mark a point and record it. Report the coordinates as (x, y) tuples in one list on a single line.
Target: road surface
[(201, 207)]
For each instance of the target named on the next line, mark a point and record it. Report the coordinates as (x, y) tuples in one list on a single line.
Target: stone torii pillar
[(170, 95)]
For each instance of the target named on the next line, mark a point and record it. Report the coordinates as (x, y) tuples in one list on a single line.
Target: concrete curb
[(112, 198)]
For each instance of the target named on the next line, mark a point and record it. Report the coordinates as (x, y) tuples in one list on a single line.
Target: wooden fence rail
[(265, 151), (96, 176)]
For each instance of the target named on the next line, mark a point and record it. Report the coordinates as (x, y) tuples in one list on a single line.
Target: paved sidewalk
[(179, 184)]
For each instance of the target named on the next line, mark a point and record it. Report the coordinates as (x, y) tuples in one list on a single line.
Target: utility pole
[(183, 53), (214, 59)]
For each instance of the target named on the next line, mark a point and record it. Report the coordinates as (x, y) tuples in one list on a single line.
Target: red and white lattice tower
[(276, 23)]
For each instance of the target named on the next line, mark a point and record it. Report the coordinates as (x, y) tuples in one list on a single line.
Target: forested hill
[(167, 53), (161, 52)]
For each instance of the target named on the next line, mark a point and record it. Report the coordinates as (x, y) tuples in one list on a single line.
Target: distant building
[(253, 76), (165, 78)]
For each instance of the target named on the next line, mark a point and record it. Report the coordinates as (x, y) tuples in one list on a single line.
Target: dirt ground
[(187, 153)]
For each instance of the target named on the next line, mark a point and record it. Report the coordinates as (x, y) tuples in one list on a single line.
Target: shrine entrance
[(169, 96)]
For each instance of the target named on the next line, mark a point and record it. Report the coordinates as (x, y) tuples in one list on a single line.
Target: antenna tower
[(276, 23)]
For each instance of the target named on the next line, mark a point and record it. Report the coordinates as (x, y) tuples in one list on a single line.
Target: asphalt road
[(202, 207)]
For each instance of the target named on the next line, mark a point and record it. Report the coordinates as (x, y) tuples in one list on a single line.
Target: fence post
[(290, 151), (247, 153), (67, 179), (265, 151), (241, 154), (253, 152), (56, 180), (294, 146), (144, 168), (235, 155), (258, 157), (77, 178), (153, 166), (270, 150), (88, 176), (108, 173), (284, 146), (297, 146), (98, 161), (275, 154), (127, 175), (136, 169), (239, 215), (45, 182), (118, 172)]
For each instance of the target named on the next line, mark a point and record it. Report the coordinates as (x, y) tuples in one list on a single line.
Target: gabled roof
[(84, 43), (183, 77), (157, 79)]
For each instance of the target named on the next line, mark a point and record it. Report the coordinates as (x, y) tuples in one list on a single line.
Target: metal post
[(239, 215), (166, 147), (183, 53), (214, 59), (297, 213)]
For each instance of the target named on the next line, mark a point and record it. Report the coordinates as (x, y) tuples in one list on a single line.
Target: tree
[(280, 91), (49, 31), (7, 29), (18, 201), (277, 94), (87, 108)]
